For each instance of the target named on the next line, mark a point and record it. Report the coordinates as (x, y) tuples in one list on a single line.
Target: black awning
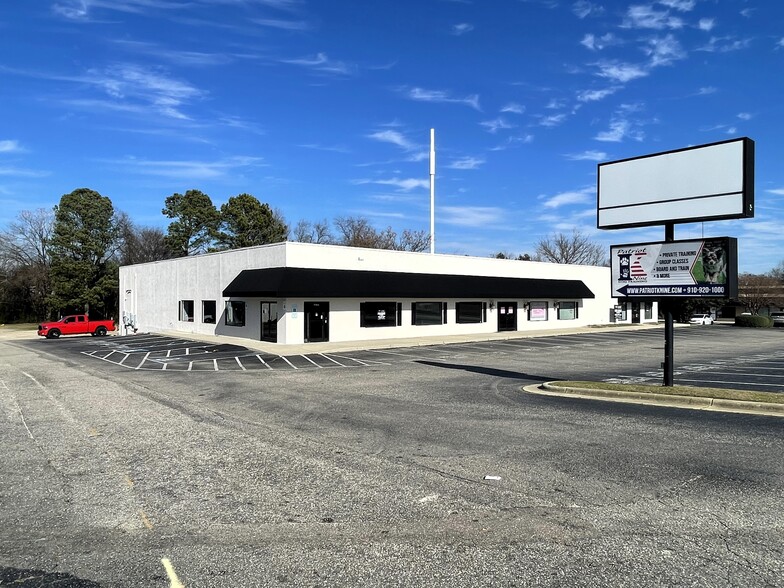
[(294, 282)]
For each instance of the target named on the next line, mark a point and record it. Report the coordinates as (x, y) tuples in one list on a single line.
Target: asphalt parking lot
[(749, 369), (421, 466)]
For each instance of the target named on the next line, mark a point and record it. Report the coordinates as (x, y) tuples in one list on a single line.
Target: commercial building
[(293, 293)]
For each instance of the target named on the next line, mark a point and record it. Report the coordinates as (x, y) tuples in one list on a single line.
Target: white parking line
[(240, 364), (215, 364), (332, 360), (263, 362), (127, 355), (143, 360), (288, 362), (311, 361)]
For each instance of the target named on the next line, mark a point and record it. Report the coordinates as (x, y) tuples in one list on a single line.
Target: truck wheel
[(53, 334), (100, 331)]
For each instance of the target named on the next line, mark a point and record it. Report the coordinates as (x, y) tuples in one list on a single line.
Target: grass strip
[(723, 393), (19, 327)]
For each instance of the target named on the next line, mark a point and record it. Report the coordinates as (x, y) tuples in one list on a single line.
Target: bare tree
[(414, 241), (139, 244), (758, 291), (576, 248), (307, 232), (509, 255), (25, 265)]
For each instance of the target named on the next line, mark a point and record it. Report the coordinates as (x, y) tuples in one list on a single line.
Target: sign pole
[(669, 327)]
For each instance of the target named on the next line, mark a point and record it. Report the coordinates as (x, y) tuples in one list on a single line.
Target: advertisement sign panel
[(703, 268), (705, 182)]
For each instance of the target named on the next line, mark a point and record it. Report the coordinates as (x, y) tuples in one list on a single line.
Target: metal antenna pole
[(432, 190)]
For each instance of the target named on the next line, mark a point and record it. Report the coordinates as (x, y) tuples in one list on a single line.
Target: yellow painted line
[(145, 520), (174, 581)]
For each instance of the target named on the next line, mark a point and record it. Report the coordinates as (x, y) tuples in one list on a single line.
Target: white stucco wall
[(150, 293)]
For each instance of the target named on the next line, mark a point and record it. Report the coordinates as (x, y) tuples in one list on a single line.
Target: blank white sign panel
[(708, 182)]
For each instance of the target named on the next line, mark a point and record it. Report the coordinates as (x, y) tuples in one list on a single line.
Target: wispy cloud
[(587, 156), (595, 43), (322, 63), (514, 108), (514, 142), (706, 24), (497, 124), (462, 28), (423, 95), (466, 163), (394, 137), (21, 172), (180, 57), (620, 72), (724, 45), (187, 169), (552, 121), (776, 191), (471, 216), (745, 116), (283, 24), (10, 146), (663, 50), (404, 184), (567, 198), (330, 148), (682, 5), (645, 16), (622, 126), (584, 8), (596, 95)]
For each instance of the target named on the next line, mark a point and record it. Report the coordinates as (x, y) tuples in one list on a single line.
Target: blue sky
[(324, 108)]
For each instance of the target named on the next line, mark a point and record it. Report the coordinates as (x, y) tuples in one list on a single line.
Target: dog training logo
[(714, 263), (631, 269)]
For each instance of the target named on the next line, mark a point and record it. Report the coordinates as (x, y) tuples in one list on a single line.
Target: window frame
[(214, 312), (571, 305), (232, 317), (370, 307), (648, 311), (539, 305), (460, 310), (184, 315), (417, 314)]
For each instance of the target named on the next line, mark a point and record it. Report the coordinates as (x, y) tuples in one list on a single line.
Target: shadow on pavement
[(487, 371)]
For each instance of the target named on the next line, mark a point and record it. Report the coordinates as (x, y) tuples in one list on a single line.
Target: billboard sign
[(706, 182), (703, 268)]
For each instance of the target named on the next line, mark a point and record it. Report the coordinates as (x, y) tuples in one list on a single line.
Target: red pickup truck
[(75, 324)]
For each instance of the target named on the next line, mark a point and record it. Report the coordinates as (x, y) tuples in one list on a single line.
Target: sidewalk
[(342, 346)]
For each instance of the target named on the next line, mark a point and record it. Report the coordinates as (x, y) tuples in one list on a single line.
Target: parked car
[(75, 324), (701, 319), (777, 318)]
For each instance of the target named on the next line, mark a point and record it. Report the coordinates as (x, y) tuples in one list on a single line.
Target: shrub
[(752, 321)]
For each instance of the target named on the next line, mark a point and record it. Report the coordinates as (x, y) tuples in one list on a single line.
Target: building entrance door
[(507, 316), (316, 322), (269, 321), (635, 312)]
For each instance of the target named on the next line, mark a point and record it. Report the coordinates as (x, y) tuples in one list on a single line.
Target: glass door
[(269, 321)]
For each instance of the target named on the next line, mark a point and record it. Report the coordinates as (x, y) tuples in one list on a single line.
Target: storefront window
[(537, 311), (428, 313), (379, 314), (186, 311), (235, 314), (471, 312), (567, 311)]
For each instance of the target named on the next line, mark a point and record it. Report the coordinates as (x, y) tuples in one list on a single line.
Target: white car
[(701, 319), (777, 318)]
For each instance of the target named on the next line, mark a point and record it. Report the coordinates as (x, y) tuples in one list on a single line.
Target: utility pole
[(432, 190)]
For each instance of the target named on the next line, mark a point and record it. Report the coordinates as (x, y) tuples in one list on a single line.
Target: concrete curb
[(670, 400)]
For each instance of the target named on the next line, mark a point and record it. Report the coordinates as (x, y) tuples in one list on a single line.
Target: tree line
[(66, 259)]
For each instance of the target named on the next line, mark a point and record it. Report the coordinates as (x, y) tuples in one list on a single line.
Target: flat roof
[(287, 282)]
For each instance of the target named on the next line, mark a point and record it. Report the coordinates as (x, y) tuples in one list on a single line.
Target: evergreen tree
[(83, 277), (244, 222), (196, 223)]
